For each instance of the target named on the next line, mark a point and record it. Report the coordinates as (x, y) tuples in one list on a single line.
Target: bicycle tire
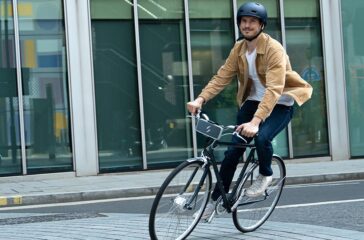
[(251, 213), (169, 218)]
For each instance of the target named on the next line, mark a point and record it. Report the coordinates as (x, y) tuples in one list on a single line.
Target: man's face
[(249, 26)]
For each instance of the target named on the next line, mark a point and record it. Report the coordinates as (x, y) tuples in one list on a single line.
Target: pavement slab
[(135, 226)]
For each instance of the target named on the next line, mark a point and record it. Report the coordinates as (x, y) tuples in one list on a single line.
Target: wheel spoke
[(178, 199), (251, 213)]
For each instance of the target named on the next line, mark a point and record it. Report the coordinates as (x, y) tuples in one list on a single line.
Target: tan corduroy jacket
[(274, 71)]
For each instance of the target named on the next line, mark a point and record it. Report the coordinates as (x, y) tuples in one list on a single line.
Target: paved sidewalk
[(65, 187), (135, 227)]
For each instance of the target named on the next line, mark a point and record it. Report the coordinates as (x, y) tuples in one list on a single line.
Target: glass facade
[(44, 78), (165, 81), (10, 149), (116, 85), (45, 86), (212, 37), (304, 46), (142, 74), (352, 19)]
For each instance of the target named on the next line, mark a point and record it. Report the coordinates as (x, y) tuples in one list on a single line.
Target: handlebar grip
[(204, 116)]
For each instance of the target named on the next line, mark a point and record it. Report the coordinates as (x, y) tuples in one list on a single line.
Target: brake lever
[(239, 136)]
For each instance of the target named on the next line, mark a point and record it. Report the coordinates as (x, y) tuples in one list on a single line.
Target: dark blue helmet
[(252, 9)]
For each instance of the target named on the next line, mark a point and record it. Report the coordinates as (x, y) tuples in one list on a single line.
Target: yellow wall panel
[(30, 60), (24, 9)]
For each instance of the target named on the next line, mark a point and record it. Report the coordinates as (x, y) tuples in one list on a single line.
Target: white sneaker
[(210, 207), (259, 186)]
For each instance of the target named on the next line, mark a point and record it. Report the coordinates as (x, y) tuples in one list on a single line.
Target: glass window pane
[(10, 149), (45, 88), (111, 9), (165, 81), (280, 144), (210, 9), (116, 85), (304, 46), (160, 9), (352, 25), (212, 37)]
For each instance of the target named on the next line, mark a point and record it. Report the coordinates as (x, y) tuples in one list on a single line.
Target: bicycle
[(182, 198)]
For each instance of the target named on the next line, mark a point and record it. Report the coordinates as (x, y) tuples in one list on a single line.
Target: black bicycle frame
[(197, 190), (212, 161)]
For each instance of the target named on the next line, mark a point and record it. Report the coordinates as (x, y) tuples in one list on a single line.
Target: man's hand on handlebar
[(195, 105), (249, 129)]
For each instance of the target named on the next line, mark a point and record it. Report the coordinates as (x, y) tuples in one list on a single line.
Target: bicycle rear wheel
[(185, 192), (251, 213)]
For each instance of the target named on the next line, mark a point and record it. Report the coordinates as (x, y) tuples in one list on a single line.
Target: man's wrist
[(256, 121), (200, 100)]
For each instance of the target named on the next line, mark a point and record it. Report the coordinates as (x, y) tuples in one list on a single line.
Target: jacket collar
[(262, 41)]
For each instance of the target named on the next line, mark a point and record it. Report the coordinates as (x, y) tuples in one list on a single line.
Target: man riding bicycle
[(267, 90)]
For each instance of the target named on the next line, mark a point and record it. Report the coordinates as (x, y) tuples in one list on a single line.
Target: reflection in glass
[(352, 25), (212, 37), (303, 34), (10, 149), (165, 81), (45, 88), (116, 85)]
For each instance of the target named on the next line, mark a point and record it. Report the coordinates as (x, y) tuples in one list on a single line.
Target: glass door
[(304, 46), (34, 112), (45, 85), (10, 149), (165, 81), (116, 85)]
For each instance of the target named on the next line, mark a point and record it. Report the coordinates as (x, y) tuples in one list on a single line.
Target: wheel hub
[(180, 203)]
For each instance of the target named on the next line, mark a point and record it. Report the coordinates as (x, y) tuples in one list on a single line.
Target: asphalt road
[(337, 204)]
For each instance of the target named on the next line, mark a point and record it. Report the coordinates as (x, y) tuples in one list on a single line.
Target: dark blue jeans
[(274, 124)]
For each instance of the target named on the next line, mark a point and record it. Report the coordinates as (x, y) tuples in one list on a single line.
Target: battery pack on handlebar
[(209, 129)]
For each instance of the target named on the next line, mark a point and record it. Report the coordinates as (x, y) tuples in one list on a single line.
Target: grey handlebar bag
[(209, 128)]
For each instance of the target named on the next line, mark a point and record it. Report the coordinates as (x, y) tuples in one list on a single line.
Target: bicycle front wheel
[(251, 213), (180, 201)]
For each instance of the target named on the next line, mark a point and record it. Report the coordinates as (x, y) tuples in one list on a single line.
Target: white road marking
[(340, 183), (320, 203), (306, 205)]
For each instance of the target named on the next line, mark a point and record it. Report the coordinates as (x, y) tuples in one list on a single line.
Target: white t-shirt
[(257, 89)]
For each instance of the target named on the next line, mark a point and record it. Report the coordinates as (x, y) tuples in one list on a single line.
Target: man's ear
[(263, 26)]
